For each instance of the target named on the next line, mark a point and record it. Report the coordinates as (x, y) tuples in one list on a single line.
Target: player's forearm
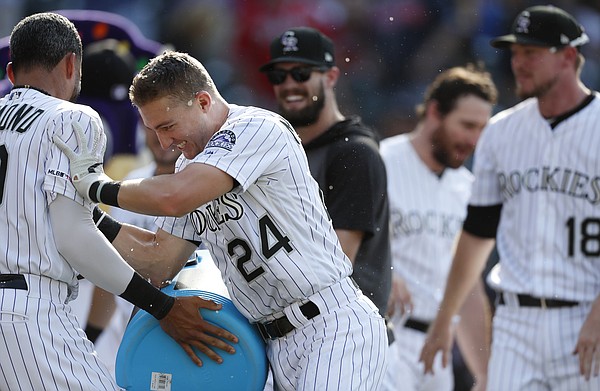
[(151, 196), (155, 196), (474, 332), (470, 258), (174, 194), (134, 244), (131, 242), (157, 256)]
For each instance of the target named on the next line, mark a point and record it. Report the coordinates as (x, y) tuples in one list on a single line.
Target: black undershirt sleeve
[(483, 221)]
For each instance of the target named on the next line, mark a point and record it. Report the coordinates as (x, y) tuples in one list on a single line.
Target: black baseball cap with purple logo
[(304, 45), (543, 25)]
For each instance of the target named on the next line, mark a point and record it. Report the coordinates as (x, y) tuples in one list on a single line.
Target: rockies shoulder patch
[(222, 139)]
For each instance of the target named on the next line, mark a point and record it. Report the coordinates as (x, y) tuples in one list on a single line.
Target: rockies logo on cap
[(522, 23), (302, 45), (289, 42)]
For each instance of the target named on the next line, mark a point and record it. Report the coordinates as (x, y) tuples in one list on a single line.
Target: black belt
[(416, 325), (530, 301), (281, 326), (13, 281)]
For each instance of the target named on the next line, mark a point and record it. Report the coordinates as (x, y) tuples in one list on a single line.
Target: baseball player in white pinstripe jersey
[(536, 191), (429, 190), (48, 235), (243, 187)]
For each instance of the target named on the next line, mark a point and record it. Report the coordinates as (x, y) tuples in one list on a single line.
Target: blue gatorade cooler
[(149, 359)]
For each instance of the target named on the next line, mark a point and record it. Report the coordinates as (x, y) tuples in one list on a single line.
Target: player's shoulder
[(509, 123), (255, 120), (76, 112), (50, 106), (394, 145), (66, 113), (593, 104), (394, 141), (519, 111), (251, 115)]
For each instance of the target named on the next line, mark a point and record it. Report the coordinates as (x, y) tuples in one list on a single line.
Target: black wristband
[(108, 193), (141, 293), (106, 224)]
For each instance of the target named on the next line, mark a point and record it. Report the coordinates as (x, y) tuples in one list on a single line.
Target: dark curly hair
[(43, 40)]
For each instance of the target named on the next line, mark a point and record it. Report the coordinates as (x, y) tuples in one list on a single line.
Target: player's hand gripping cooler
[(148, 359)]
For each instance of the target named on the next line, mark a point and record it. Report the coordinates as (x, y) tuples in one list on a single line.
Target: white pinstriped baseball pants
[(532, 350), (42, 346), (344, 348)]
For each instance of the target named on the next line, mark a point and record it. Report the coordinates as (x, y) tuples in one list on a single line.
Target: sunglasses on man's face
[(300, 74)]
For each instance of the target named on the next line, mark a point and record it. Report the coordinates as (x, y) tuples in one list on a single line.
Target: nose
[(165, 142)]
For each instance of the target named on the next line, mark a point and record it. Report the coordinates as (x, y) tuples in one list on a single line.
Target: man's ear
[(333, 75), (10, 73), (71, 65), (571, 54), (432, 111), (204, 99)]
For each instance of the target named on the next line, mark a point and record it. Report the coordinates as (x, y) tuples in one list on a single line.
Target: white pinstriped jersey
[(32, 172), (271, 236), (426, 215), (548, 181), (43, 345)]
